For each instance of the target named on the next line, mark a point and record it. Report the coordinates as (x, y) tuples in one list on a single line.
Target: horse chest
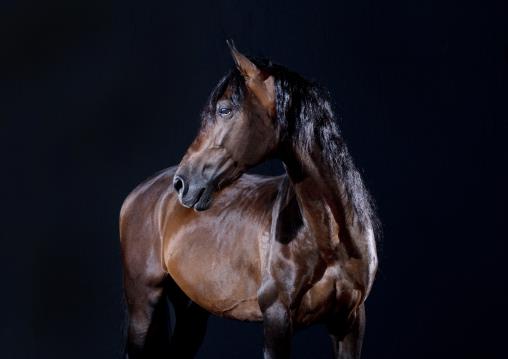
[(317, 283), (334, 293)]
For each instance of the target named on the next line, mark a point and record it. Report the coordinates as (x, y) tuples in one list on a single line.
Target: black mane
[(306, 120)]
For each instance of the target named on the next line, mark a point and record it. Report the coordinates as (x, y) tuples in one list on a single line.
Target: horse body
[(289, 250), (229, 245)]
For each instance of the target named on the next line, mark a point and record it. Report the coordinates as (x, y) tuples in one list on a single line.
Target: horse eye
[(224, 111)]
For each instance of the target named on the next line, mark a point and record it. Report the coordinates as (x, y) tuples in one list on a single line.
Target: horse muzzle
[(196, 194)]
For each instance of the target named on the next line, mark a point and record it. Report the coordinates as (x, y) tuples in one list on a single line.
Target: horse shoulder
[(139, 232)]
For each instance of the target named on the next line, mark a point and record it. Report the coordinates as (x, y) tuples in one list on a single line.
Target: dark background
[(97, 95)]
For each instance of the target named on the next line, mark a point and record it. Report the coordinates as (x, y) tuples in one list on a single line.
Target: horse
[(288, 251)]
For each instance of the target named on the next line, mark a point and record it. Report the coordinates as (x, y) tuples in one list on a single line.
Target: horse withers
[(290, 250)]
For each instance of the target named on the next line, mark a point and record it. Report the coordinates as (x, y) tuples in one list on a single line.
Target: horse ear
[(246, 67), (259, 82)]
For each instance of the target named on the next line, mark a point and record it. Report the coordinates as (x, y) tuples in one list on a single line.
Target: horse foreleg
[(277, 331), (347, 342), (190, 326), (149, 329)]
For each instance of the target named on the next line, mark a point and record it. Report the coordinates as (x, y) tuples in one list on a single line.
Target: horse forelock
[(231, 85)]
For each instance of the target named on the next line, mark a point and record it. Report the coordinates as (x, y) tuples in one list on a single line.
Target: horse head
[(238, 132)]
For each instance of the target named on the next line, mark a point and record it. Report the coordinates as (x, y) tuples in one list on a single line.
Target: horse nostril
[(178, 184)]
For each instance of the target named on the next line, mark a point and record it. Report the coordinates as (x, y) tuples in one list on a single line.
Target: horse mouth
[(204, 200), (201, 201)]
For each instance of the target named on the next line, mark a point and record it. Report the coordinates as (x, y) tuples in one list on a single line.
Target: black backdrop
[(96, 96)]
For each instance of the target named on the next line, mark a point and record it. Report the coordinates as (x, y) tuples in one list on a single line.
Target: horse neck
[(323, 201)]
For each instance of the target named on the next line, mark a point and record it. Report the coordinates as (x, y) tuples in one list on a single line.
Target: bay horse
[(289, 250)]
